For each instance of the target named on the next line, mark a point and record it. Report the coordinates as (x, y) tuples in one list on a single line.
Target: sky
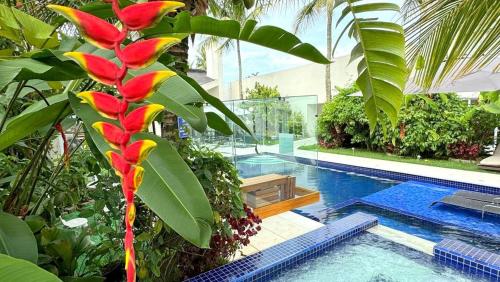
[(260, 60)]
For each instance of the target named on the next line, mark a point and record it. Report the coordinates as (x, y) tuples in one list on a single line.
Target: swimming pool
[(335, 186), (370, 258), (338, 188)]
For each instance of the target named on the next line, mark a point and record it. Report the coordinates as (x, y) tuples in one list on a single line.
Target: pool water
[(370, 258), (334, 186), (338, 187)]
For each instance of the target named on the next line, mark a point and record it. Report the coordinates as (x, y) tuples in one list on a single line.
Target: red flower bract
[(140, 118), (143, 53), (105, 104), (98, 68), (95, 30), (143, 86), (144, 15)]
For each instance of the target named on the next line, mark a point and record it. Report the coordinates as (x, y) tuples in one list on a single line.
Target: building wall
[(303, 80)]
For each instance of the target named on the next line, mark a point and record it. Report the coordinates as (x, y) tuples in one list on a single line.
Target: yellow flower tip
[(97, 125), (57, 8), (108, 155), (85, 96), (168, 40), (149, 143), (172, 5), (163, 75)]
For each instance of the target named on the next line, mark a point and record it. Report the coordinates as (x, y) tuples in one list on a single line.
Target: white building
[(302, 80)]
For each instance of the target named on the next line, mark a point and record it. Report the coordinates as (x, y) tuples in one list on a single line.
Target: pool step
[(403, 238)]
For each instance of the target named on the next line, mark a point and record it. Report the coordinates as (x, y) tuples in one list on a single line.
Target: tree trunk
[(240, 70), (169, 127), (328, 78)]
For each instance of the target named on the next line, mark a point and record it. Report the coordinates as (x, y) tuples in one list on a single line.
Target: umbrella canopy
[(484, 79)]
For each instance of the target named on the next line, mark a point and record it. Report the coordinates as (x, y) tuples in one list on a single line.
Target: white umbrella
[(484, 79)]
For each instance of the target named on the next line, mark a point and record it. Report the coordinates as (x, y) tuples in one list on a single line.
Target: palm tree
[(306, 16), (236, 11), (450, 38)]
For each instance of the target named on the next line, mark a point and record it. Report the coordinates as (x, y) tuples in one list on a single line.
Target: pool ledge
[(403, 238), (264, 265), (468, 259)]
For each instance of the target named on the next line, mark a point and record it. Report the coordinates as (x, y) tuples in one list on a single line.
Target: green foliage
[(427, 126), (343, 122), (16, 238), (12, 269), (261, 91), (296, 124)]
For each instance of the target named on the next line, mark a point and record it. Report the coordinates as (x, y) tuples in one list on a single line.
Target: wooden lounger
[(493, 162)]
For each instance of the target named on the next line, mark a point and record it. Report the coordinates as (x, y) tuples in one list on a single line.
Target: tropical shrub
[(343, 122), (436, 126)]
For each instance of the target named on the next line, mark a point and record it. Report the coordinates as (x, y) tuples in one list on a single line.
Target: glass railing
[(280, 125)]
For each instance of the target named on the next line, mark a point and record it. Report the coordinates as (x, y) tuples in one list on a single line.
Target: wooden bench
[(266, 189)]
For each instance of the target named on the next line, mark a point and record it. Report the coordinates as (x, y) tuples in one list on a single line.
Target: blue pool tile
[(415, 198), (468, 259), (265, 264)]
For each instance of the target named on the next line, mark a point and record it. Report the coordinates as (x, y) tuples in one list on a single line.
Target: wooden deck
[(273, 194)]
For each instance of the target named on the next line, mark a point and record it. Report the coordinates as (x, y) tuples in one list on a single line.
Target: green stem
[(12, 101)]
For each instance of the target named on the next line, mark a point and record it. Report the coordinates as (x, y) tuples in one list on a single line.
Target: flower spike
[(111, 133), (143, 86), (106, 105), (128, 156), (144, 15), (140, 118), (143, 53), (98, 68), (138, 151), (95, 30)]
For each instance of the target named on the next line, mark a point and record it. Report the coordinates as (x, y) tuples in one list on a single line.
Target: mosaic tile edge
[(387, 174), (266, 264), (468, 259)]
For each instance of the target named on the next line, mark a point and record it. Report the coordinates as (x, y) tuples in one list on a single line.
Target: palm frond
[(308, 14), (380, 50), (451, 38)]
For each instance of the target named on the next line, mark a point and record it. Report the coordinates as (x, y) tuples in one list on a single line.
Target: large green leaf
[(16, 239), (266, 36), (32, 120), (169, 187), (19, 26), (382, 70), (16, 270), (42, 65)]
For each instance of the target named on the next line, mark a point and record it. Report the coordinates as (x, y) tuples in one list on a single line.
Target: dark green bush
[(429, 126)]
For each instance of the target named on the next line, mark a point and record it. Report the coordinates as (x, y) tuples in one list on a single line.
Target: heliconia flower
[(143, 53), (140, 118), (121, 166), (134, 178), (111, 133), (105, 104), (144, 15), (138, 151), (143, 86), (95, 30)]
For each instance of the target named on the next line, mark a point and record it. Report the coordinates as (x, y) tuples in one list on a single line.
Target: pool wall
[(270, 262), (384, 173), (468, 259)]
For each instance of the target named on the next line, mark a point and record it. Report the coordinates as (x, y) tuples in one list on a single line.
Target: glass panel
[(281, 126)]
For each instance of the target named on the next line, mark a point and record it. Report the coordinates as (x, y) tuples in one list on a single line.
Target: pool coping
[(398, 176), (270, 262)]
